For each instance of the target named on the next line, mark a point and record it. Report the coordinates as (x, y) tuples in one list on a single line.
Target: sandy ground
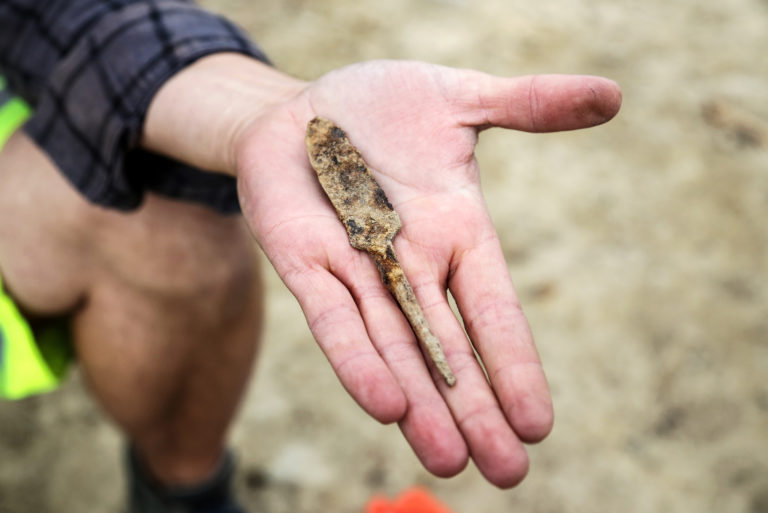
[(638, 248)]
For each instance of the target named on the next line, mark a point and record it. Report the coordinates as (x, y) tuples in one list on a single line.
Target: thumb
[(536, 103)]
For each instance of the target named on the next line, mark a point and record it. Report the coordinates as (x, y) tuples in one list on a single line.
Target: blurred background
[(639, 249)]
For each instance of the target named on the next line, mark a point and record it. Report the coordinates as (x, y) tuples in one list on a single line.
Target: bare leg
[(165, 305)]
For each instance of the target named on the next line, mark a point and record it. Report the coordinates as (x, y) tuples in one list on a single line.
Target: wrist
[(198, 116)]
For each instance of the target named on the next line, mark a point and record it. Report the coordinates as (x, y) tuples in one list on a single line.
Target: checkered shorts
[(90, 68)]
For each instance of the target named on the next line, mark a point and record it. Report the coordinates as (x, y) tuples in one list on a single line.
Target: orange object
[(413, 500)]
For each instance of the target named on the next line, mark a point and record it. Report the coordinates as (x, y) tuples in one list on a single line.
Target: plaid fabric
[(90, 69)]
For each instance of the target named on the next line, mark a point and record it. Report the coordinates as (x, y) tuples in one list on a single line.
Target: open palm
[(416, 125)]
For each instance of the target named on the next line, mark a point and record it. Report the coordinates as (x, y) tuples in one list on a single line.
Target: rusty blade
[(360, 203), (370, 220)]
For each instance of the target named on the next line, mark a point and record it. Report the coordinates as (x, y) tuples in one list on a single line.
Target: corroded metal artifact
[(370, 220)]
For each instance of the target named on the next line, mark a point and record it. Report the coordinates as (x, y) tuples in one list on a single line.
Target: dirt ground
[(639, 249)]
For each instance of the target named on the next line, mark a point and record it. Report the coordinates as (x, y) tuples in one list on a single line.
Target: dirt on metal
[(370, 220)]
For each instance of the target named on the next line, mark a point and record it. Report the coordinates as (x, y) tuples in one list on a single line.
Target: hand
[(416, 125)]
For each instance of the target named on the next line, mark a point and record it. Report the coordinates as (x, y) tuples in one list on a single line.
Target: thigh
[(42, 233), (57, 249)]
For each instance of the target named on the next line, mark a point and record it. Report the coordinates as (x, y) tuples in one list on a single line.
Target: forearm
[(197, 115)]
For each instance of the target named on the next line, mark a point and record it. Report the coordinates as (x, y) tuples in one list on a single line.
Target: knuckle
[(493, 313)]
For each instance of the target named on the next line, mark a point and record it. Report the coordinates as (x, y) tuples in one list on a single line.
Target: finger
[(497, 327), (493, 444), (536, 103), (428, 425), (337, 326)]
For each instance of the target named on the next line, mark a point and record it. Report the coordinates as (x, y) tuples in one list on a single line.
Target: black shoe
[(146, 495)]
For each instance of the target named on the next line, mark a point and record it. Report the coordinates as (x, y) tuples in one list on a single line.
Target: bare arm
[(199, 114)]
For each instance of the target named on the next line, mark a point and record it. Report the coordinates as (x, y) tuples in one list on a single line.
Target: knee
[(185, 256), (218, 286), (231, 289)]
